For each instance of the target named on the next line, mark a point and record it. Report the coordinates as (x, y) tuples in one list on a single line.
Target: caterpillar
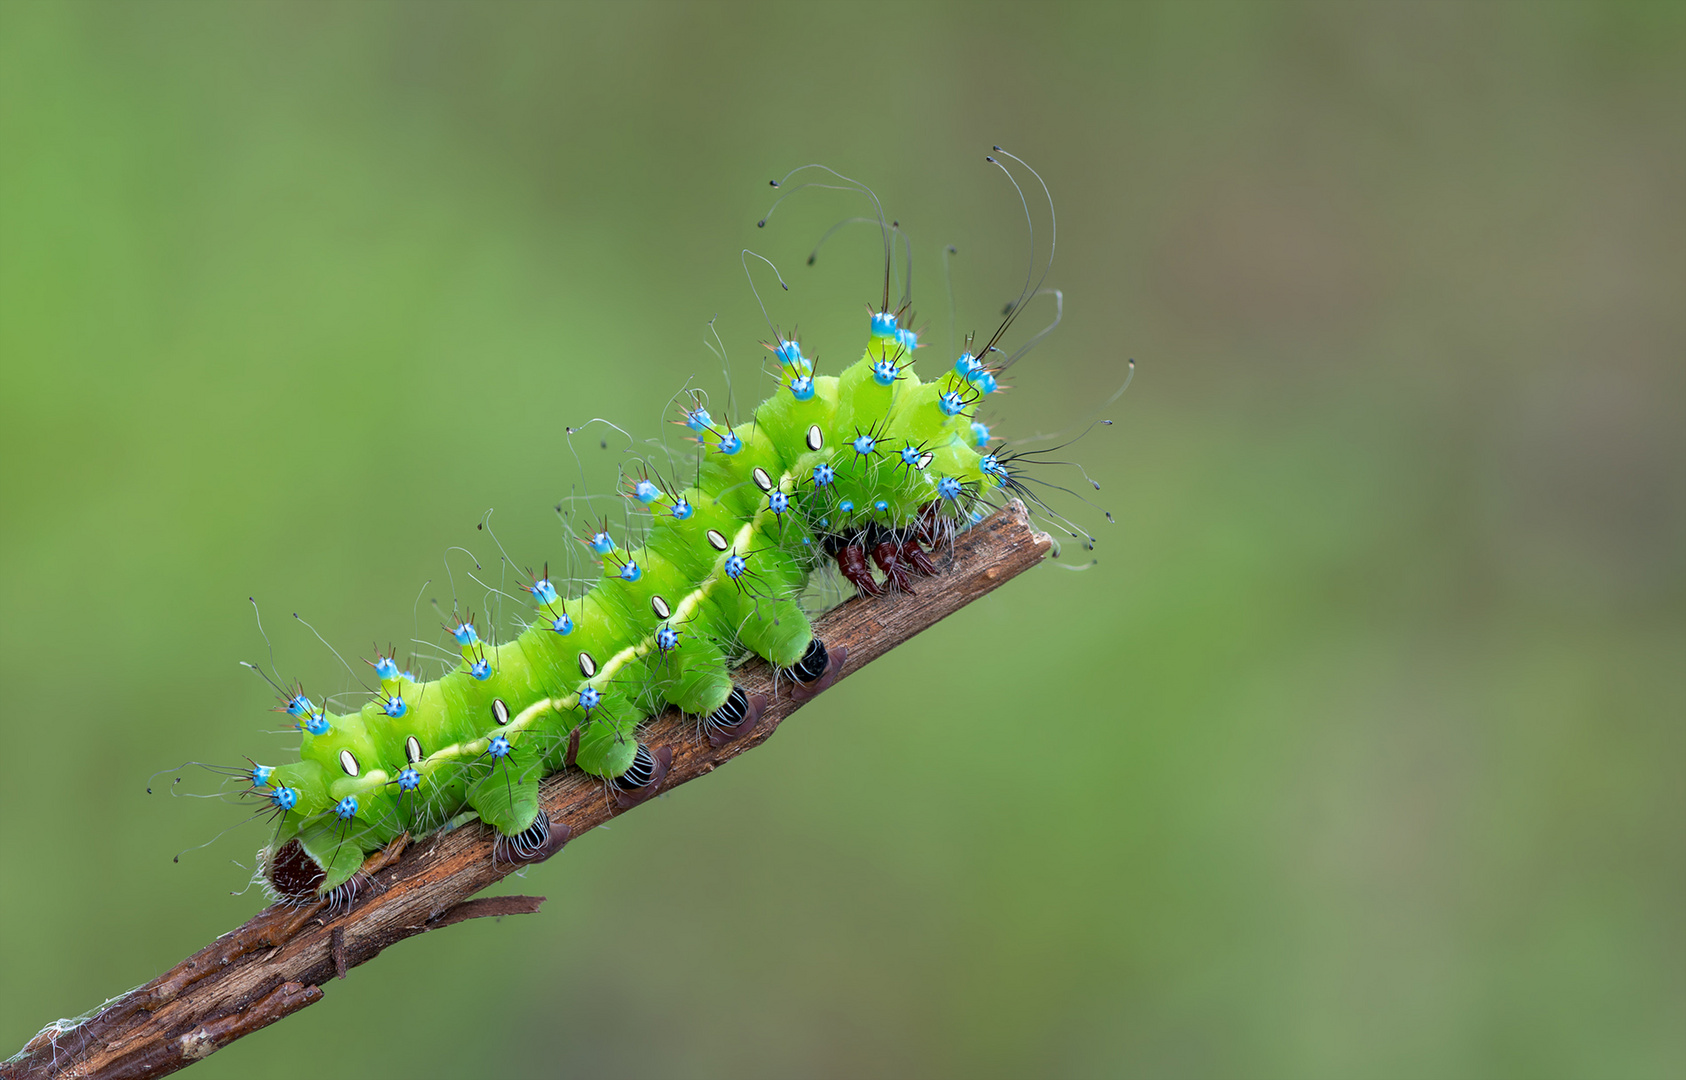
[(867, 470)]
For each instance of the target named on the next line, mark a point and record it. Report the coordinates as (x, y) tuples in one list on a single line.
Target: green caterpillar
[(870, 466)]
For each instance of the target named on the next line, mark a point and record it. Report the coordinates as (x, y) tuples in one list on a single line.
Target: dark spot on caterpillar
[(659, 606), (762, 480), (717, 541), (588, 666), (294, 874), (348, 762), (412, 750), (500, 711), (816, 438)]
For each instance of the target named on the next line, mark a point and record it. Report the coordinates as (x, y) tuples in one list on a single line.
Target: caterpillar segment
[(865, 468)]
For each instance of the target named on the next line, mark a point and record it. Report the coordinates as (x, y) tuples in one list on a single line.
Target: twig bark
[(277, 963)]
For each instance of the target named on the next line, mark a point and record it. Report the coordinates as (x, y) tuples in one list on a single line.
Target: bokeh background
[(1360, 753)]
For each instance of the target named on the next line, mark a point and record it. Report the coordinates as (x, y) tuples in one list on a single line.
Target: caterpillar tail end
[(291, 876)]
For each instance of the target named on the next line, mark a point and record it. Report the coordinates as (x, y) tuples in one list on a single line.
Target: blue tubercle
[(682, 509), (823, 475), (346, 808), (261, 775), (562, 624), (910, 455), (602, 543), (948, 487), (847, 506), (590, 698), (883, 324), (735, 566), (881, 506), (481, 669), (985, 382), (646, 492), (498, 747), (299, 705), (465, 634), (285, 798), (408, 779), (778, 502), (951, 403), (317, 724), (865, 444), (667, 638), (980, 434), (631, 571), (395, 707), (967, 367), (885, 372), (386, 668), (730, 443), (907, 339), (543, 591), (697, 419), (802, 388), (790, 355)]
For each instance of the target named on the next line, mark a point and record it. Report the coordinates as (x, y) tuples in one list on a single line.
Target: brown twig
[(278, 962)]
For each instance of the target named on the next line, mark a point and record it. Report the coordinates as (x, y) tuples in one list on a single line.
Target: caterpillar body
[(869, 467)]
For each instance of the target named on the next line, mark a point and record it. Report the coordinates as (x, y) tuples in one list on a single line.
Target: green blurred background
[(1359, 754)]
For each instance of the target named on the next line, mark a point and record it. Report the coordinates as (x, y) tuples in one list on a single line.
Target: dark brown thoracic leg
[(851, 560), (913, 555), (897, 576)]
